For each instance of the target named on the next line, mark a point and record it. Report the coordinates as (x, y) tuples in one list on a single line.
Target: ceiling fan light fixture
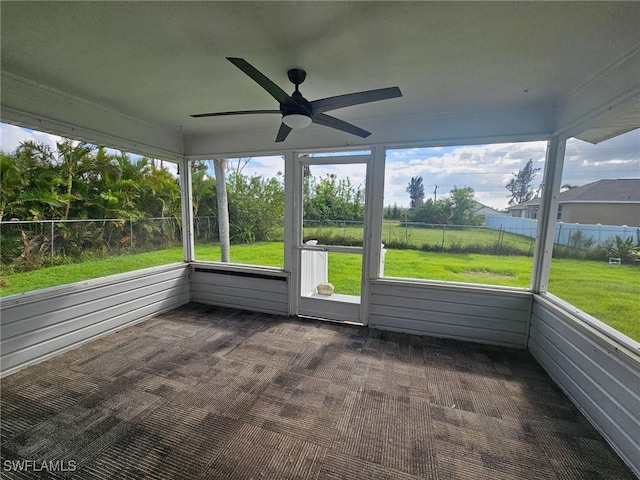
[(296, 120)]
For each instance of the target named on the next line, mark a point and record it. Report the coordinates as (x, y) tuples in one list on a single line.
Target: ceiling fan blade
[(240, 112), (274, 90), (283, 132), (341, 101), (328, 121)]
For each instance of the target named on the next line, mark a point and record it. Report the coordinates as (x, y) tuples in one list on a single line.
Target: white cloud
[(355, 172), (488, 168), (266, 167), (618, 157), (485, 168), (11, 136)]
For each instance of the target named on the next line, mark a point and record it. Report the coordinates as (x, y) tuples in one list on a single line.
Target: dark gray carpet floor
[(205, 392)]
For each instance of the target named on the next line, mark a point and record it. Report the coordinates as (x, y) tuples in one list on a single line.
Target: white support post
[(292, 232), (373, 228), (547, 214), (187, 210)]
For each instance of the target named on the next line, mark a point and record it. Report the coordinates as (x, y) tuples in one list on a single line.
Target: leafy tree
[(395, 213), (458, 208), (256, 207), (416, 191), (463, 207), (521, 186), (331, 198), (255, 203), (392, 213), (431, 212)]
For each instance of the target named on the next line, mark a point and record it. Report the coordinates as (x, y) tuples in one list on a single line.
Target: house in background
[(606, 201), (484, 210)]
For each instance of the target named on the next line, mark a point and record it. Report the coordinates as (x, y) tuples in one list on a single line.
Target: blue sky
[(485, 168)]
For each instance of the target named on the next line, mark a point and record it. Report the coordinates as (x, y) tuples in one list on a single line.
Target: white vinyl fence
[(564, 232)]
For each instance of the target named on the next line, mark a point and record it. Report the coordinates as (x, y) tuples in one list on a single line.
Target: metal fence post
[(52, 234), (131, 233)]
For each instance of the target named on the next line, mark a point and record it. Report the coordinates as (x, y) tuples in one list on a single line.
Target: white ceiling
[(136, 70)]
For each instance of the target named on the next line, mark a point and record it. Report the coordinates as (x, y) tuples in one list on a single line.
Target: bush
[(624, 249), (10, 247), (566, 251), (495, 248), (578, 239)]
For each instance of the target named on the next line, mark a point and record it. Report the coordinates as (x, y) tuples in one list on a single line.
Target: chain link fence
[(401, 235), (205, 230), (27, 245)]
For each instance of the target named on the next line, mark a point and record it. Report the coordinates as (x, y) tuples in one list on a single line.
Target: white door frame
[(337, 310)]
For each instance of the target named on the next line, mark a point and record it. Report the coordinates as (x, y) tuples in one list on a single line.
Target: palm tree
[(11, 182), (416, 191), (201, 187), (38, 198), (74, 160)]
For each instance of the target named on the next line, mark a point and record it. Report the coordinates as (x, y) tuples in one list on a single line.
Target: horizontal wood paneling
[(260, 292), (39, 324), (476, 314), (600, 376)]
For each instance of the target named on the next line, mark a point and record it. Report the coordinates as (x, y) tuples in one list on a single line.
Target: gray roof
[(605, 190)]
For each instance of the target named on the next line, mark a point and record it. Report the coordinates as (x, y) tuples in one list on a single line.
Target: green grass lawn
[(269, 254), (610, 293), (459, 267), (77, 272)]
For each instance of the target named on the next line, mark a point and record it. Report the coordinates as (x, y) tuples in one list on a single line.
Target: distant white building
[(483, 210)]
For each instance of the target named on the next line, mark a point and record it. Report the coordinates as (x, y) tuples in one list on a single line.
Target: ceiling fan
[(297, 112)]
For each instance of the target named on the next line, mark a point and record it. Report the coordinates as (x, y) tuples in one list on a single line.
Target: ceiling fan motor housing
[(299, 105)]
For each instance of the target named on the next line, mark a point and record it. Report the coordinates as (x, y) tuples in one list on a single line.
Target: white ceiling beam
[(612, 90), (31, 105)]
